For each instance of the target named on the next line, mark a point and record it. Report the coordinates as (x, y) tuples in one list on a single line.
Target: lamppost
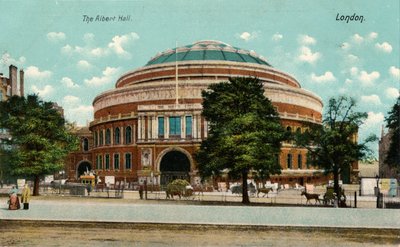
[(377, 191), (152, 181)]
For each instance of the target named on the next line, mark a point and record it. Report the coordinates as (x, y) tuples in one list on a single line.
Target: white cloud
[(373, 35), (33, 72), (306, 55), (345, 46), (327, 77), (354, 71), (392, 92), (395, 72), (385, 47), (118, 46), (69, 83), (7, 60), (368, 79), (99, 52), (277, 37), (348, 81), (118, 42), (55, 37), (46, 91), (373, 119), (88, 37), (71, 100), (358, 39), (352, 58), (246, 36), (79, 113), (306, 40), (83, 64), (371, 99), (108, 76)]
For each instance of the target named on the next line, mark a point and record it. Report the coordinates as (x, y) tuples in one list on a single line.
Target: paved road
[(136, 211)]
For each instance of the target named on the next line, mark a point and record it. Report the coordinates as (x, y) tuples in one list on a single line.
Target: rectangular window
[(188, 129), (160, 127), (116, 161), (100, 162), (97, 163), (128, 161), (289, 161), (107, 161), (299, 161), (174, 126)]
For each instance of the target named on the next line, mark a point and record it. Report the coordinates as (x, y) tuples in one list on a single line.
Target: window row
[(289, 162), (106, 163), (175, 127), (104, 137)]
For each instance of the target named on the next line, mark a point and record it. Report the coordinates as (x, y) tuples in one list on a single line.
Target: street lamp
[(152, 181), (377, 191)]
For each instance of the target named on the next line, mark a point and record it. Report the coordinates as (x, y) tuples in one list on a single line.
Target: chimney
[(21, 82), (13, 80)]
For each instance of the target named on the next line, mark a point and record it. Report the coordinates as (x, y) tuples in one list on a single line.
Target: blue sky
[(70, 61)]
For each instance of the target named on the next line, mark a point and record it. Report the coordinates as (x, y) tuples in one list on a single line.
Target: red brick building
[(150, 124)]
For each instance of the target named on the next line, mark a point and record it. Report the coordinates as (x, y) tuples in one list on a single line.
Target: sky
[(332, 48)]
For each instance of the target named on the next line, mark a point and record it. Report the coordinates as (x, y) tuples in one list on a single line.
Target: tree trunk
[(336, 181), (245, 195), (36, 186)]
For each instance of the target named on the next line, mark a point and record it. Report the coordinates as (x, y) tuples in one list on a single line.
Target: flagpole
[(176, 74)]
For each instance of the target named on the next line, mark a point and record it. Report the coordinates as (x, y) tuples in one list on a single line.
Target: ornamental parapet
[(112, 118)]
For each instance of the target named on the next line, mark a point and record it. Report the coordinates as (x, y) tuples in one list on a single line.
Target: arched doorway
[(83, 167), (174, 165)]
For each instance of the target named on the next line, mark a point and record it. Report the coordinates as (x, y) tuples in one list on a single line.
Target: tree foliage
[(393, 123), (333, 145), (245, 133), (39, 141)]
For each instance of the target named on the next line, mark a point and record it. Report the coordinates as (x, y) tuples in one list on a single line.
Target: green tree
[(393, 123), (245, 133), (39, 140), (333, 145)]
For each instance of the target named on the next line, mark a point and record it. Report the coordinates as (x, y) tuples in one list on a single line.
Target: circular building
[(150, 125)]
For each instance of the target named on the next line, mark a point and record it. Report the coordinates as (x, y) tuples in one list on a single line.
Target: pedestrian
[(26, 196), (13, 202), (141, 192)]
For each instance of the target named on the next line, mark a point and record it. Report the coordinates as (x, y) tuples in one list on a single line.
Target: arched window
[(85, 144), (128, 135), (298, 130), (117, 136), (101, 140), (289, 161), (108, 136), (300, 161), (289, 129)]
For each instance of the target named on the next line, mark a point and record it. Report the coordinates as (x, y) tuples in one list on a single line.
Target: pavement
[(169, 212)]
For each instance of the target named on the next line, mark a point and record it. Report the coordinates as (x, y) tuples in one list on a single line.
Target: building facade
[(150, 125), (9, 87), (385, 171)]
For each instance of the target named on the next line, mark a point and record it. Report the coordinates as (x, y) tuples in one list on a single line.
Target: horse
[(265, 191), (311, 196)]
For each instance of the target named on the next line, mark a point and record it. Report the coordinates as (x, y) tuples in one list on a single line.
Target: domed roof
[(208, 50)]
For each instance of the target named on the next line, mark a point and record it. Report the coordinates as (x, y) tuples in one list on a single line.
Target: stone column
[(166, 125)]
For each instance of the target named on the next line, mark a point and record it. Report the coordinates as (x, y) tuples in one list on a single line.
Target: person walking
[(13, 202), (26, 196)]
